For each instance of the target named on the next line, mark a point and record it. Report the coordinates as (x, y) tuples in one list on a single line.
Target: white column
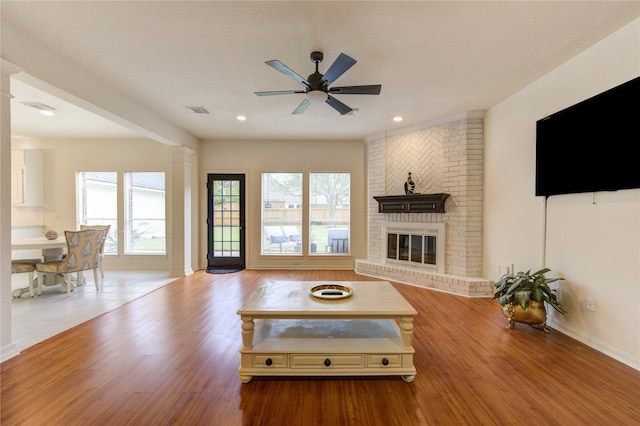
[(181, 224), (7, 348)]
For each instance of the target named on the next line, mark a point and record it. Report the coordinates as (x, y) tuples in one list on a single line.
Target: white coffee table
[(286, 331)]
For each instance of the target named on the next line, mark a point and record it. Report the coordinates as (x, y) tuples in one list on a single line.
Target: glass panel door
[(225, 219)]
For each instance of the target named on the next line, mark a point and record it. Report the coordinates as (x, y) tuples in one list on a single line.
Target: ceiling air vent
[(197, 109)]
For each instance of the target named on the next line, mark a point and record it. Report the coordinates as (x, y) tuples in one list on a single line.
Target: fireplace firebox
[(419, 245)]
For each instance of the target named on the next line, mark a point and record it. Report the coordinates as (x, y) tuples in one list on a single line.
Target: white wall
[(594, 246), (255, 157)]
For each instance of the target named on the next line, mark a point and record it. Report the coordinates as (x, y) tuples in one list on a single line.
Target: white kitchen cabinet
[(26, 177)]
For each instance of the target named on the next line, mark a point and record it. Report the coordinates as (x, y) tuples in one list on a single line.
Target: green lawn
[(150, 245), (318, 237), (226, 234)]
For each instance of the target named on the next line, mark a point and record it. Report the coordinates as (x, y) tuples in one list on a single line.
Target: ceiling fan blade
[(279, 92), (302, 107), (339, 66), (372, 89), (287, 71), (338, 106)]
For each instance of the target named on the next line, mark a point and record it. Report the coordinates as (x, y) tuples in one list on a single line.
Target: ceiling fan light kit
[(317, 85), (317, 96)]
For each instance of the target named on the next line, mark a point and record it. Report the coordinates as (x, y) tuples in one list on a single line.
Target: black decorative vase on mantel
[(409, 185)]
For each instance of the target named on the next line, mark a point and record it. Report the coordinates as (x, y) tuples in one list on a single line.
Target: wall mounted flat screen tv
[(591, 146)]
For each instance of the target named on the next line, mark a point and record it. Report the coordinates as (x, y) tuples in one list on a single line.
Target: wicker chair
[(83, 253)]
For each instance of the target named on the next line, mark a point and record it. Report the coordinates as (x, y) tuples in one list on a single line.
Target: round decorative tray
[(331, 291)]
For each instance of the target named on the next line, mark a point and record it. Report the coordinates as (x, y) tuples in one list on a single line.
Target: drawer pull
[(327, 362), (269, 361), (385, 361)]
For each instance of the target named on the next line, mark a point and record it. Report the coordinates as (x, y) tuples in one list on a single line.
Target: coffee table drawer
[(327, 361), (384, 360), (269, 360)]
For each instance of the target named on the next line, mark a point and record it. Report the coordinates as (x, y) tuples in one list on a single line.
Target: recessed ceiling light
[(397, 119), (241, 118), (44, 109), (198, 109)]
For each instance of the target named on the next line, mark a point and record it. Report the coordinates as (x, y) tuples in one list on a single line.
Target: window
[(329, 212), (98, 204), (281, 213), (145, 229)]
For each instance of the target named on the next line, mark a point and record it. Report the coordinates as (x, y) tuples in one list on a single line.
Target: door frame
[(226, 262)]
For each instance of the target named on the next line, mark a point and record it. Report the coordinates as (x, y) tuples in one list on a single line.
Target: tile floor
[(38, 318)]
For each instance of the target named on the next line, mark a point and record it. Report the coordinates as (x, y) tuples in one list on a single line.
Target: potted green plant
[(523, 296)]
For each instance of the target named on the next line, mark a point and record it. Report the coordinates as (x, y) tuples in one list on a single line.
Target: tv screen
[(591, 146)]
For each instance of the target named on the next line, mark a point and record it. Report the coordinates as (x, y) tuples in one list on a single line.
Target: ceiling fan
[(317, 85)]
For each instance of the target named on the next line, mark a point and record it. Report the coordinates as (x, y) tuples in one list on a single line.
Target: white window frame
[(131, 230), (282, 211), (337, 241), (108, 208)]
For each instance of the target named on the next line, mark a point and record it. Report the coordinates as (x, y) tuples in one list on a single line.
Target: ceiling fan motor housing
[(316, 82)]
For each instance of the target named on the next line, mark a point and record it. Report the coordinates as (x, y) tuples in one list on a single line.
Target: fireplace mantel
[(414, 203)]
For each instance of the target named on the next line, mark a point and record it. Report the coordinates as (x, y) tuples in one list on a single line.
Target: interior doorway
[(225, 220)]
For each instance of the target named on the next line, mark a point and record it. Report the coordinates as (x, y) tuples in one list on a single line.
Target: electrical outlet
[(505, 268), (591, 304)]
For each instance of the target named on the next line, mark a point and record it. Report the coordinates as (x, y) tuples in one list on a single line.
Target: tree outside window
[(328, 209), (281, 213), (329, 213)]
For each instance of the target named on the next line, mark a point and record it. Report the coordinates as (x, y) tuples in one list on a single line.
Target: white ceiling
[(69, 121), (433, 59)]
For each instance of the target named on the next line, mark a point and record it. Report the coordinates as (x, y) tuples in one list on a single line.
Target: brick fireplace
[(444, 156)]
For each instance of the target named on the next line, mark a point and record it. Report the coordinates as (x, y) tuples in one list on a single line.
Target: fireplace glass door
[(392, 246), (416, 248), (413, 248), (430, 249)]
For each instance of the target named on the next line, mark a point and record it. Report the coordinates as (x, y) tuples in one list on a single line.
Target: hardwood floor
[(171, 358)]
